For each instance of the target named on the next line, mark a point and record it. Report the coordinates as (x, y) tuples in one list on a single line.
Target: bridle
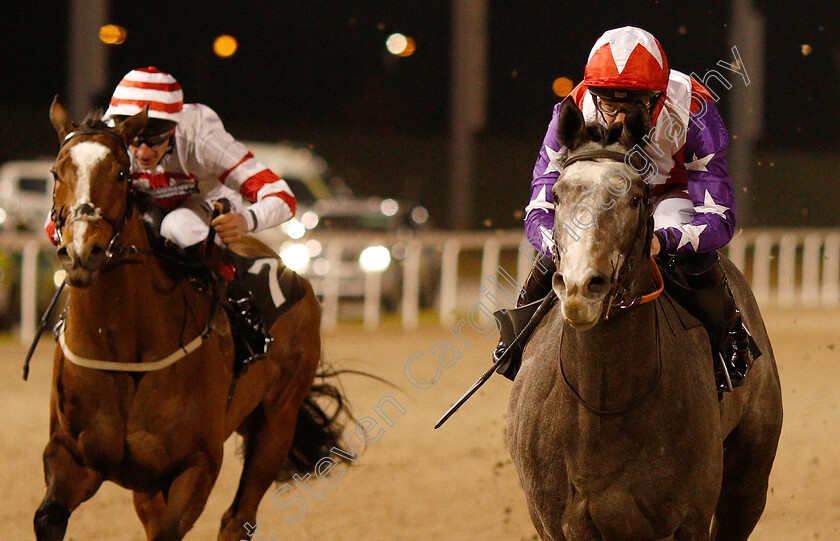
[(85, 212), (618, 296)]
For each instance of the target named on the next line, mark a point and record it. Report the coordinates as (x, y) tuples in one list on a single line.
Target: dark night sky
[(319, 63), (317, 72)]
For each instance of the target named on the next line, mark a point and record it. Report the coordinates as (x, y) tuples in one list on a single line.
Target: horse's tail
[(319, 428)]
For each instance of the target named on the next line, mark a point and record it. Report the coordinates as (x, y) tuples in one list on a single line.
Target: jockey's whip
[(41, 327), (520, 338)]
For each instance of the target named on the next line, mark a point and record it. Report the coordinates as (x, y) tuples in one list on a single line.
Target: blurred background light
[(225, 45), (389, 207), (112, 34), (58, 277), (400, 45), (375, 258), (562, 86)]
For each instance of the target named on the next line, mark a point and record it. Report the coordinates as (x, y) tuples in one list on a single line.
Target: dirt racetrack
[(453, 484)]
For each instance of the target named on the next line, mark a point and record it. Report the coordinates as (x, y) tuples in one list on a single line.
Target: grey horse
[(614, 423)]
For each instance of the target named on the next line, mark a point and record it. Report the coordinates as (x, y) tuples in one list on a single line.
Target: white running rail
[(786, 268)]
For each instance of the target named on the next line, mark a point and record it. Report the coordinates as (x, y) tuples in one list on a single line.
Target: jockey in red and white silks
[(206, 164), (685, 151), (197, 163)]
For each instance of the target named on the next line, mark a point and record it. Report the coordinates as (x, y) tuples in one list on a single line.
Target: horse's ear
[(571, 130), (636, 126), (60, 119), (133, 126)]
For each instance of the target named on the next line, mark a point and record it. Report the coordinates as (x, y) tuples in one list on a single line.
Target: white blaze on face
[(86, 156), (582, 217)]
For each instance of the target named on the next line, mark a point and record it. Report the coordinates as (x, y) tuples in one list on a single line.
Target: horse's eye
[(123, 174), (55, 175), (635, 201)]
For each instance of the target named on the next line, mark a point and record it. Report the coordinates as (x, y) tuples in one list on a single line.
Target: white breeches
[(189, 224), (673, 210)]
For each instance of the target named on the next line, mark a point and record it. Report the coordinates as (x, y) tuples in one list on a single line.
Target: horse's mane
[(94, 121)]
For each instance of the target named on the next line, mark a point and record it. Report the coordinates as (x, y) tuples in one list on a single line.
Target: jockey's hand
[(230, 226), (654, 246)]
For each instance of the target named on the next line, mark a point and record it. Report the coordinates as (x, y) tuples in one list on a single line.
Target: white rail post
[(449, 281), (737, 252), (373, 295), (786, 288), (411, 285), (831, 271), (329, 319), (811, 270), (28, 291), (489, 259), (761, 268), (524, 264)]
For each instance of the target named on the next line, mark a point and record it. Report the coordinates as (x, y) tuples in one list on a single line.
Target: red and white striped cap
[(147, 86)]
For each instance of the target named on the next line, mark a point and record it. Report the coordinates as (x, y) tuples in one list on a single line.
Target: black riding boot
[(535, 288), (709, 298), (251, 340)]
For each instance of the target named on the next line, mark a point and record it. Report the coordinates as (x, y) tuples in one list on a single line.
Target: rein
[(637, 402), (617, 295)]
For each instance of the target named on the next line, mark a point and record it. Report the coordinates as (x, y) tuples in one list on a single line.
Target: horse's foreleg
[(68, 485), (185, 500)]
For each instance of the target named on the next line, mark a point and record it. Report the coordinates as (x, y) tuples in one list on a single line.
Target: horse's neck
[(615, 362), (128, 294)]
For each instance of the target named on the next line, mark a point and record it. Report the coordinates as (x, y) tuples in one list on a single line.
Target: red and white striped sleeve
[(236, 167)]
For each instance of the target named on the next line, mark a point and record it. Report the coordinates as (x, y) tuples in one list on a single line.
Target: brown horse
[(615, 425), (145, 362)]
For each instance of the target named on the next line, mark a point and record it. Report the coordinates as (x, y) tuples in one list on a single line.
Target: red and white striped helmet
[(628, 58), (149, 86)]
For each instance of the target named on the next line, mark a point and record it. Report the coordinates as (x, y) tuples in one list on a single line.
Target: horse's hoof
[(51, 522)]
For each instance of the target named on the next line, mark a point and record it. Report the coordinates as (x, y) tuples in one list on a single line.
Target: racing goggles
[(152, 141)]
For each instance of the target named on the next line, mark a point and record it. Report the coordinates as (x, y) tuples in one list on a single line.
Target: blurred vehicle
[(326, 205), (25, 194)]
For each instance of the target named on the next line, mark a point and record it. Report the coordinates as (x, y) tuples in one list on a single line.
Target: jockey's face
[(149, 150), (615, 110)]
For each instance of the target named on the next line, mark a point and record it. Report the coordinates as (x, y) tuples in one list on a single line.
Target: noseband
[(617, 296), (86, 212)]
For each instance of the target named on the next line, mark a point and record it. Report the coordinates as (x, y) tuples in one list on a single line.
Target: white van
[(25, 194)]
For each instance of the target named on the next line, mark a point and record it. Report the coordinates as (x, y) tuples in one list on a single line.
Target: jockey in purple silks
[(685, 157)]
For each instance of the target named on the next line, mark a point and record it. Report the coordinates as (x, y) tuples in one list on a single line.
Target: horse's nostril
[(597, 285)]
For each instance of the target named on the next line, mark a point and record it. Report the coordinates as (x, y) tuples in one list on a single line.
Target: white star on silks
[(540, 202), (710, 206), (691, 234), (699, 164), (554, 162)]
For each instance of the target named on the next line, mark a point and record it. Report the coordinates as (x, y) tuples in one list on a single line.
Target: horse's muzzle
[(581, 300), (81, 263)]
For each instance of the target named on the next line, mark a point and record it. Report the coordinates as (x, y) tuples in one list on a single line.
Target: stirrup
[(735, 359)]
